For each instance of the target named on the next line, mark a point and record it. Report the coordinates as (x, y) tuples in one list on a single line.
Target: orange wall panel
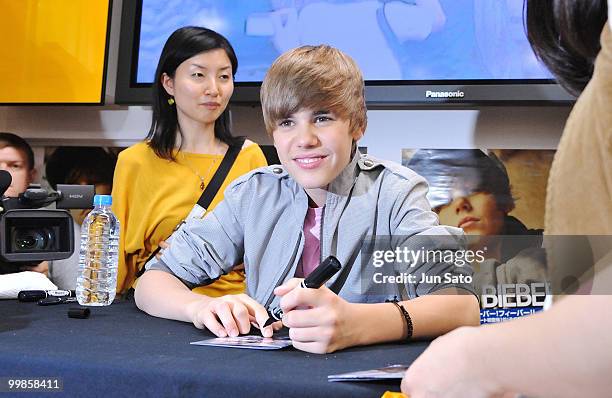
[(52, 51)]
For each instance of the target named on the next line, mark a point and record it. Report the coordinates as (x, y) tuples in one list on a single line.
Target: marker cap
[(78, 312)]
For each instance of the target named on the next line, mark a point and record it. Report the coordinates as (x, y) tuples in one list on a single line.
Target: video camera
[(29, 234)]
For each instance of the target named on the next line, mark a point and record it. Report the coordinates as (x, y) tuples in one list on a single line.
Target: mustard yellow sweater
[(152, 195)]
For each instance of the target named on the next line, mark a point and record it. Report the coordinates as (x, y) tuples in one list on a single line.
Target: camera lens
[(34, 235), (33, 240)]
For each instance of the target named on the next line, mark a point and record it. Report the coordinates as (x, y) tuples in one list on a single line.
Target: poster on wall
[(497, 196)]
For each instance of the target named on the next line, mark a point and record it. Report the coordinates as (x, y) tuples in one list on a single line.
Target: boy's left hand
[(163, 245), (318, 320)]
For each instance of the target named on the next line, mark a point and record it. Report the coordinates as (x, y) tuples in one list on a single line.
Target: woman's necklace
[(195, 170)]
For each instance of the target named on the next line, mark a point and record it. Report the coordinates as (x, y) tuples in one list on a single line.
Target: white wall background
[(388, 130)]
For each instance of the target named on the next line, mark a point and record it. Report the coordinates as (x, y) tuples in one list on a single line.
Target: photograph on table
[(252, 342), (497, 197)]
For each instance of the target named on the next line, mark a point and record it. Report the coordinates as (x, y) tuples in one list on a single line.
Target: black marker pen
[(35, 295), (57, 300), (324, 271)]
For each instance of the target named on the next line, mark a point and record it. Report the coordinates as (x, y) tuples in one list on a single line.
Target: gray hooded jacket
[(260, 222)]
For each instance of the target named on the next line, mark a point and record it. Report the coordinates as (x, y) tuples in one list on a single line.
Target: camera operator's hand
[(230, 315), (42, 267)]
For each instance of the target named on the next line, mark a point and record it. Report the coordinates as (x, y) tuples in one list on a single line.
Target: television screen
[(440, 46)]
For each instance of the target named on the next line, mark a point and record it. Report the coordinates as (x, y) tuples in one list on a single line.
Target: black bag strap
[(211, 189), (217, 180)]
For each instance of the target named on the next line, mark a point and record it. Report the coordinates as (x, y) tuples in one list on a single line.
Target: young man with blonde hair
[(325, 199)]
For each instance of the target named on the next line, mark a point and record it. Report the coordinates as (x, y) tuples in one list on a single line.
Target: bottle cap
[(78, 312), (103, 200)]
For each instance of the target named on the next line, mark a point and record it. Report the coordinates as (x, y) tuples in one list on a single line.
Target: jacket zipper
[(321, 236)]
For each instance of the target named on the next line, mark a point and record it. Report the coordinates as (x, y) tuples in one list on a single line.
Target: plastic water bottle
[(99, 255)]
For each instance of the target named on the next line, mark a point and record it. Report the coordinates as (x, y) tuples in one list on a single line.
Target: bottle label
[(58, 293)]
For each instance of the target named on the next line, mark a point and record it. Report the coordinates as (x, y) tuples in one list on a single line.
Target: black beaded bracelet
[(407, 318)]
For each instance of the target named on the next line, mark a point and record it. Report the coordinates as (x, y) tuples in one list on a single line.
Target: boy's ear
[(357, 135), (168, 83)]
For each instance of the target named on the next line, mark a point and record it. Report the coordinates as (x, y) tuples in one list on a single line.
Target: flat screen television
[(410, 51)]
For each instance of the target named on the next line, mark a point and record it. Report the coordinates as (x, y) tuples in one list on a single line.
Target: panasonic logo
[(444, 94), (75, 196)]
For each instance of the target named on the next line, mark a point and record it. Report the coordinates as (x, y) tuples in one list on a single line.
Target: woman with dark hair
[(565, 351), (565, 35), (158, 181)]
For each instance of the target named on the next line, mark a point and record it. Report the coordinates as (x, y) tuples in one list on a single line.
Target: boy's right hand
[(230, 315)]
